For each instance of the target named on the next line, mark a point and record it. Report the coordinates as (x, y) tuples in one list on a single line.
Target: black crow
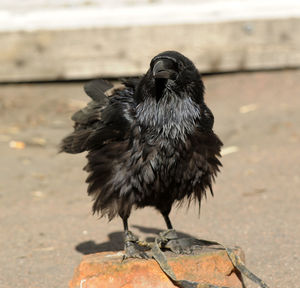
[(149, 143)]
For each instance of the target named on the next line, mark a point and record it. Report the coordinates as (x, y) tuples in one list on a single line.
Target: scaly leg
[(170, 240), (130, 243)]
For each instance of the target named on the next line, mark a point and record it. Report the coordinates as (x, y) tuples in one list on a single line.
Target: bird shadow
[(116, 241)]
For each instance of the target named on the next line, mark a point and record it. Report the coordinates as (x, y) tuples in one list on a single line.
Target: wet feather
[(151, 143)]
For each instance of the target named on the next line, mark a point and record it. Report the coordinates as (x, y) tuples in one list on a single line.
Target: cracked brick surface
[(106, 269)]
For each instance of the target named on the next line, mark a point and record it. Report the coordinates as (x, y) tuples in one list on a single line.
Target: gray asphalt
[(45, 213)]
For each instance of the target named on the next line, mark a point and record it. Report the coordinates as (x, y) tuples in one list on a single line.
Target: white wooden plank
[(31, 18), (225, 41)]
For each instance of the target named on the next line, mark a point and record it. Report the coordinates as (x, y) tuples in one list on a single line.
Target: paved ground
[(46, 221)]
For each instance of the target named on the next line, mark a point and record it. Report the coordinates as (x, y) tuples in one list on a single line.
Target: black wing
[(103, 120)]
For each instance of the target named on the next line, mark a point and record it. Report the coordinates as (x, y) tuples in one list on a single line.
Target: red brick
[(106, 270)]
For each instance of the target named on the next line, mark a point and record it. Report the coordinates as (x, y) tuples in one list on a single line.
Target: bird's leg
[(130, 243), (167, 220), (169, 234), (170, 240)]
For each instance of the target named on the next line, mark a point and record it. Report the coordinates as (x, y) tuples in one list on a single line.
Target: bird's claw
[(168, 235), (129, 236), (132, 248), (165, 236), (132, 251), (169, 239), (179, 246)]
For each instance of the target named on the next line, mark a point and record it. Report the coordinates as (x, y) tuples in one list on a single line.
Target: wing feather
[(96, 90), (101, 121)]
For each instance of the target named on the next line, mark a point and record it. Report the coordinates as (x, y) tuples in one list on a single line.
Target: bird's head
[(171, 71)]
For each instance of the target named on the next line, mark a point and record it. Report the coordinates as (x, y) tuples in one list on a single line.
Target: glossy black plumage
[(150, 143)]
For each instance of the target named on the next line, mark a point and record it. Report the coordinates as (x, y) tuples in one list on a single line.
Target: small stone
[(229, 150), (37, 141), (248, 108), (38, 194), (17, 145)]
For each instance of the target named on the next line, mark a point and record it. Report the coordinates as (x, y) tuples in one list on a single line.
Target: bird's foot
[(166, 236), (131, 247), (169, 240)]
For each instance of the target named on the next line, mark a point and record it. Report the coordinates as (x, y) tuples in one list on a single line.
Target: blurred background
[(249, 54)]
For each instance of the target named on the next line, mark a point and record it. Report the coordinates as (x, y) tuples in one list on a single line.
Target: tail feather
[(75, 142)]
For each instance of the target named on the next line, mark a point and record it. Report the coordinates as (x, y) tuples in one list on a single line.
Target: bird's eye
[(180, 65)]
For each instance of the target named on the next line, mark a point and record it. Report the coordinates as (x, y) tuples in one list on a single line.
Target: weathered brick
[(106, 270)]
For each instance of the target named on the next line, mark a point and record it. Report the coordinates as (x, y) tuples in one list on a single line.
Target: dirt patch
[(46, 221)]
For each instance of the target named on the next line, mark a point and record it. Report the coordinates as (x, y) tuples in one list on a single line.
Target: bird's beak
[(164, 69)]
